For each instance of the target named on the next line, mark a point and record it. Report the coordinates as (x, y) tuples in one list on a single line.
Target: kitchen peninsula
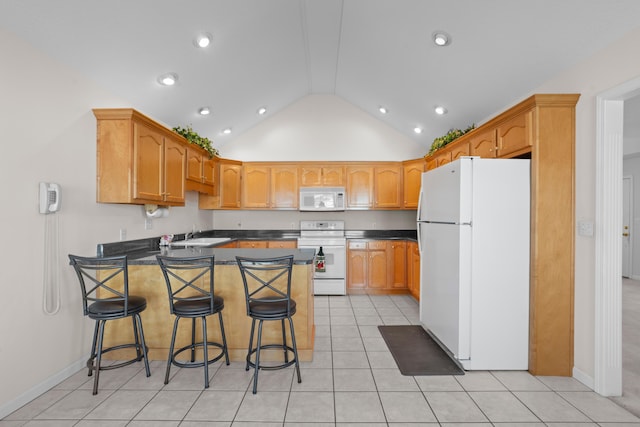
[(145, 279)]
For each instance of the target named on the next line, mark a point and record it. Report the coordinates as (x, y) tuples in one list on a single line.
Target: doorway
[(627, 218), (608, 274)]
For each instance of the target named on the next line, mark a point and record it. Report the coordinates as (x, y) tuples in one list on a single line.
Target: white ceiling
[(273, 52)]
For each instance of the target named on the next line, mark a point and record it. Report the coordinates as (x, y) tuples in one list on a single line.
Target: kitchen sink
[(201, 241)]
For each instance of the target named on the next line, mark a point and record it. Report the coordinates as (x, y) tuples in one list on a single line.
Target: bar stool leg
[(138, 320), (253, 326), (224, 338), (205, 352), (257, 367), (295, 349), (98, 356), (94, 343), (171, 347), (193, 339), (284, 343)]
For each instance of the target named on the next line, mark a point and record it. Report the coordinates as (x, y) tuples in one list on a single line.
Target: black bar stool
[(190, 285), (100, 279), (267, 286)]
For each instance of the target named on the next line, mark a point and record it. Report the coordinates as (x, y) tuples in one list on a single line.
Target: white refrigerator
[(473, 234)]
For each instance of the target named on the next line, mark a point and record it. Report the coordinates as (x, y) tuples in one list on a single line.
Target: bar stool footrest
[(91, 366), (197, 363), (271, 367)]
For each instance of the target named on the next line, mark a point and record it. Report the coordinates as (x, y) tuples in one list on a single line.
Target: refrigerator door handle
[(419, 238), (419, 211)]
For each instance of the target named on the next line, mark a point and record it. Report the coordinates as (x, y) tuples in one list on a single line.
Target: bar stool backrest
[(101, 279), (188, 279), (266, 280)]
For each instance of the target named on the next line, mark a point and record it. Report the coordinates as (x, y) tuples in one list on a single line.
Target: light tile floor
[(352, 381)]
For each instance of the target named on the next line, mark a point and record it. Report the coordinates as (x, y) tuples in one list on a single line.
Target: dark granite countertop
[(223, 256), (143, 251)]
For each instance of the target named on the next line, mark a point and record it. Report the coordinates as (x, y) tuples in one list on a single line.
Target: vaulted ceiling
[(272, 53)]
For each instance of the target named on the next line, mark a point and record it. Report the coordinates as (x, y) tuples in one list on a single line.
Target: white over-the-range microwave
[(322, 198)]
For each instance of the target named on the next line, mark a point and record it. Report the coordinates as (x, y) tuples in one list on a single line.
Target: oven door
[(335, 261)]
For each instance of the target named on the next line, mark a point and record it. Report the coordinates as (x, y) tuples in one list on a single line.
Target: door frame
[(608, 265), (629, 196)]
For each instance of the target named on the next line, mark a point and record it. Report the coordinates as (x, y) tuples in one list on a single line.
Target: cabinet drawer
[(378, 244), (357, 244)]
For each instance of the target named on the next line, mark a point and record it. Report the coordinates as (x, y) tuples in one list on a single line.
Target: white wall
[(322, 127), (48, 134), (609, 68)]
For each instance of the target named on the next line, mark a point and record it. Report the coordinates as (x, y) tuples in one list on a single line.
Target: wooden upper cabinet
[(412, 180), (230, 181), (139, 161), (255, 185), (388, 187), (175, 155), (439, 159), (359, 187), (515, 135), (284, 187), (321, 176), (148, 165), (459, 150), (195, 163), (483, 144), (200, 171)]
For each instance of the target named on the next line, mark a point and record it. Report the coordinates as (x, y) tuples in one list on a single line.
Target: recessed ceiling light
[(417, 130), (226, 131), (204, 111), (440, 38), (168, 79), (383, 110), (202, 40), (262, 111), (440, 110)]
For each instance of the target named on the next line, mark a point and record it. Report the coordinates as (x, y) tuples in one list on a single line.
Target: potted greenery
[(196, 139), (451, 136)]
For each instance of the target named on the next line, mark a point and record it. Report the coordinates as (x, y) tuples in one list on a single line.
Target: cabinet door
[(175, 155), (413, 269), (359, 187), (284, 187), (412, 176), (514, 135), (398, 273), (310, 176), (230, 185), (209, 171), (148, 163), (459, 150), (484, 144), (255, 186), (357, 265), (377, 271), (209, 176), (194, 165), (282, 244), (333, 176), (388, 187)]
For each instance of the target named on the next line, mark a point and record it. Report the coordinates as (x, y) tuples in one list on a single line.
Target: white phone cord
[(50, 286)]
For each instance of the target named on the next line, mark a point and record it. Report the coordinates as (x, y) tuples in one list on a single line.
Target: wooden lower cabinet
[(376, 266), (267, 244), (413, 269)]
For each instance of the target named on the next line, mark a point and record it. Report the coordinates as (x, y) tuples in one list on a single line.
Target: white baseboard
[(583, 378), (634, 277), (43, 387)]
